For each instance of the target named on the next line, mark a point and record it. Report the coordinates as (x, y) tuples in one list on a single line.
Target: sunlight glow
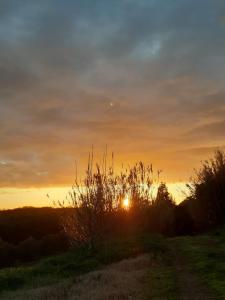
[(126, 202), (19, 197)]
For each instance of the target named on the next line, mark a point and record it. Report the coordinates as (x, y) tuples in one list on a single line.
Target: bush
[(208, 193), (6, 254), (28, 250), (99, 198), (54, 243), (31, 249)]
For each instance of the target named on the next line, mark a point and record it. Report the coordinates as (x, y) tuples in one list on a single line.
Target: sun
[(126, 202)]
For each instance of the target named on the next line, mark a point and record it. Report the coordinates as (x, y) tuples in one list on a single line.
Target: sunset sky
[(145, 77)]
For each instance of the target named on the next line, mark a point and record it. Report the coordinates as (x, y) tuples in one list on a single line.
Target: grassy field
[(205, 256), (76, 262), (178, 268)]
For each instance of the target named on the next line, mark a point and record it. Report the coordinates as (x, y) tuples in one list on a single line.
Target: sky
[(146, 78)]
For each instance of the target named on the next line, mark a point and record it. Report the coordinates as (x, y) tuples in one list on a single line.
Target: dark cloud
[(144, 77)]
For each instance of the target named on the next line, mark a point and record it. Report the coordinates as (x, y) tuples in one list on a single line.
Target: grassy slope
[(205, 256), (161, 281), (63, 267), (201, 255)]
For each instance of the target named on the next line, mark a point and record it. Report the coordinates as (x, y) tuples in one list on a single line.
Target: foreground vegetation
[(198, 259), (78, 261), (115, 217), (204, 255), (97, 212)]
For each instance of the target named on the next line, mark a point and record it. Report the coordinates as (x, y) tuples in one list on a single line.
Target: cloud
[(213, 129), (144, 77)]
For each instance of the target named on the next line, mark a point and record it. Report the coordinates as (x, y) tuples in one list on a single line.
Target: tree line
[(97, 210)]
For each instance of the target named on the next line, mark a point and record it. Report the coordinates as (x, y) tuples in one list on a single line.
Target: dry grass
[(123, 280)]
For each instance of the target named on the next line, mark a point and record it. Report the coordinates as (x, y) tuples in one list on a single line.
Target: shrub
[(53, 243), (28, 250), (6, 254), (208, 192), (98, 199)]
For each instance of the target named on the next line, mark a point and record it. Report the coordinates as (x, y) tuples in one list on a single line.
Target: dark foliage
[(99, 198), (183, 219), (163, 208), (27, 234), (31, 249), (97, 212), (207, 201), (19, 224)]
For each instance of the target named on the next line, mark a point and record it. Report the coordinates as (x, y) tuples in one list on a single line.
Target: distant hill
[(19, 224)]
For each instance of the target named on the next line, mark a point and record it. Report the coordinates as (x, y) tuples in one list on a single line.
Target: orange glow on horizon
[(19, 197)]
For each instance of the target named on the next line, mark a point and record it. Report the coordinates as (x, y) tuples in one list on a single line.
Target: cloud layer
[(145, 77)]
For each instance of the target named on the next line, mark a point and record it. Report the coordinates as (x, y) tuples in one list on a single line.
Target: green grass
[(57, 268), (161, 281), (202, 255), (205, 256)]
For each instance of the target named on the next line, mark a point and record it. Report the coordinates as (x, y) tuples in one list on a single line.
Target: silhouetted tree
[(163, 197), (164, 210), (184, 223), (208, 192)]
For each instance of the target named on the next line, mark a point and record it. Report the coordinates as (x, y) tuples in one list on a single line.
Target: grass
[(205, 256), (122, 280), (57, 268), (161, 281), (202, 256)]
